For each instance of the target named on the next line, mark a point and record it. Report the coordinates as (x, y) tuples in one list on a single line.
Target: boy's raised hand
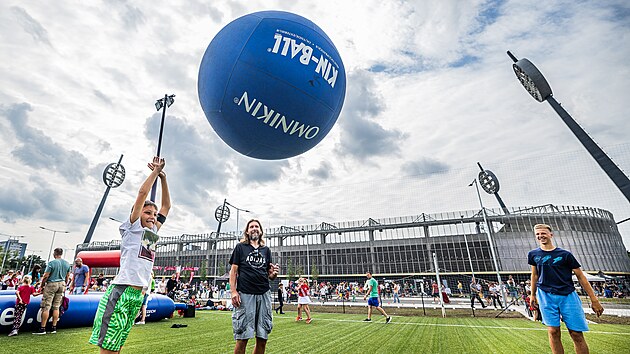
[(157, 163)]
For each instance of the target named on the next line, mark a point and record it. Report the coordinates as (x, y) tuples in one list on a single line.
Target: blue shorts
[(553, 306), (144, 301), (373, 301)]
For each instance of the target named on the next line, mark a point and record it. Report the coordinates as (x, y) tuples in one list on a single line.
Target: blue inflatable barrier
[(80, 313)]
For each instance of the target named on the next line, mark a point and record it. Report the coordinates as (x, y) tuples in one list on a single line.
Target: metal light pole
[(467, 249), (536, 85), (162, 104), (221, 214), (53, 239), (492, 252), (113, 176), (237, 210), (437, 275), (7, 245), (308, 259)]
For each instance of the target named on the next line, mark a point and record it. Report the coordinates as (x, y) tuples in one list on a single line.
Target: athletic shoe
[(389, 319), (367, 320), (140, 322), (53, 329), (13, 333), (298, 319), (40, 331), (282, 313), (309, 320)]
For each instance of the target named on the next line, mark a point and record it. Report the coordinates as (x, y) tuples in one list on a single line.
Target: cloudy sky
[(430, 91)]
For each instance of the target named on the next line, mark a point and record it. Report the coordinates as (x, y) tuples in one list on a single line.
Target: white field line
[(448, 325)]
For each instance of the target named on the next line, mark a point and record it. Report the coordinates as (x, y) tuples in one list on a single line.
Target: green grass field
[(211, 332)]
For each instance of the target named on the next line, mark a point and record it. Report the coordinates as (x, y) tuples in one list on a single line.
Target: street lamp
[(237, 210), (485, 220), (536, 85), (7, 245), (162, 104), (53, 239)]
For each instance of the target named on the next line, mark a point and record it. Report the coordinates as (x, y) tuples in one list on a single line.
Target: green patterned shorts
[(116, 313)]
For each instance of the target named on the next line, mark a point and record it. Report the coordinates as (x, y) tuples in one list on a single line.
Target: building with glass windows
[(403, 247)]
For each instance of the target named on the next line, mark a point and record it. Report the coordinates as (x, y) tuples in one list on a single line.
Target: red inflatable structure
[(100, 259)]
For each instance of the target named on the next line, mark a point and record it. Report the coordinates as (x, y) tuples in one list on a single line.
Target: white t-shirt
[(162, 287), (137, 253)]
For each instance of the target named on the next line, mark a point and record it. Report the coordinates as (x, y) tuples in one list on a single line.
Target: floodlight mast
[(536, 85), (162, 104), (490, 184), (113, 177)]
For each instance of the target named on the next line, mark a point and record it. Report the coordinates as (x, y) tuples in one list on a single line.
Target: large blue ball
[(271, 84)]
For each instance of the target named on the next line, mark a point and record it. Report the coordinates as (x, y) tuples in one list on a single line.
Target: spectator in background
[(528, 308), (35, 275), (13, 282), (222, 290), (281, 294), (494, 295), (396, 292), (161, 287), (6, 279), (475, 290), (23, 298), (54, 286), (100, 281), (171, 284), (79, 274), (435, 292)]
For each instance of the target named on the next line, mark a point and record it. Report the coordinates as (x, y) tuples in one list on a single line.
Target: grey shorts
[(253, 316)]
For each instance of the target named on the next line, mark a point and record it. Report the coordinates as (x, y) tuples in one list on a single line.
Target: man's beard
[(254, 237)]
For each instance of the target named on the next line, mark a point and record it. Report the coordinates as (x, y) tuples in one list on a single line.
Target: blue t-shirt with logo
[(555, 269)]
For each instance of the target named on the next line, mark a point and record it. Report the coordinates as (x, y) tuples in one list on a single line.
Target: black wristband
[(161, 218)]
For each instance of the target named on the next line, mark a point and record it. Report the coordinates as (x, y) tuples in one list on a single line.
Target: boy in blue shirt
[(553, 290)]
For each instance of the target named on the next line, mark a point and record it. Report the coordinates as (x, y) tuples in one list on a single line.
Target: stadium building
[(403, 247)]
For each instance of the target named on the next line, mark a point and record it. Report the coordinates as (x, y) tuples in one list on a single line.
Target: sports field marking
[(451, 325)]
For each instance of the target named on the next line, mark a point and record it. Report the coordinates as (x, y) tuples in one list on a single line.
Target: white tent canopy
[(590, 277)]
